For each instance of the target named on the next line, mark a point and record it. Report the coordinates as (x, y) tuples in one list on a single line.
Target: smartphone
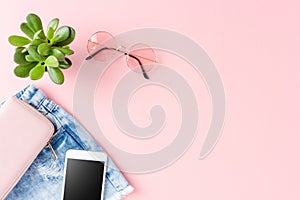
[(84, 175)]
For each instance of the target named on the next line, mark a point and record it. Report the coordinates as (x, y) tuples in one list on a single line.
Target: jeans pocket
[(46, 164)]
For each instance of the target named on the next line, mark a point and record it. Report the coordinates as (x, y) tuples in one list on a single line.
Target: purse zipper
[(51, 149)]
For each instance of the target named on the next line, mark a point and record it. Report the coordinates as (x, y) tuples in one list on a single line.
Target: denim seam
[(22, 97), (79, 143), (65, 129), (48, 109), (54, 140), (108, 178), (40, 102), (50, 112)]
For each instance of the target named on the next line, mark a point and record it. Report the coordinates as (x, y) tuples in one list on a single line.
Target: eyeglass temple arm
[(132, 56), (140, 63), (98, 51)]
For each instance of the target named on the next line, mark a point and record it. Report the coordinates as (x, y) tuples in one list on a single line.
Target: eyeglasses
[(102, 46)]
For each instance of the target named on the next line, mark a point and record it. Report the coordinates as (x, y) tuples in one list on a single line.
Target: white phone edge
[(85, 155)]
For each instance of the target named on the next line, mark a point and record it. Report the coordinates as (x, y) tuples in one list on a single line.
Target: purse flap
[(24, 132)]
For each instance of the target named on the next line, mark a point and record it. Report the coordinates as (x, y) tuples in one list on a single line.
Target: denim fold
[(44, 178)]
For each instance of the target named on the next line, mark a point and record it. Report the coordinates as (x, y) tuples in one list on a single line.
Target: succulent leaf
[(62, 34), (26, 30), (56, 75), (18, 41), (35, 24), (65, 64), (37, 72), (22, 71), (53, 24), (52, 61), (19, 56), (39, 53), (65, 51), (58, 54), (44, 49), (69, 40), (32, 50)]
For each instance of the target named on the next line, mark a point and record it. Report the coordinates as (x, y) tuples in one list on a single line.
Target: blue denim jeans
[(43, 180)]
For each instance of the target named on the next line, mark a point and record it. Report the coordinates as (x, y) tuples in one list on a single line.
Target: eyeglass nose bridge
[(124, 50)]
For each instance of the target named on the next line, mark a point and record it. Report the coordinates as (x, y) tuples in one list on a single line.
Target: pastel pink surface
[(255, 47)]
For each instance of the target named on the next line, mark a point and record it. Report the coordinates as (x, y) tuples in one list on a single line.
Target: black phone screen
[(83, 180)]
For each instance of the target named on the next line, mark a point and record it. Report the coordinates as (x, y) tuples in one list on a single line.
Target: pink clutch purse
[(24, 132)]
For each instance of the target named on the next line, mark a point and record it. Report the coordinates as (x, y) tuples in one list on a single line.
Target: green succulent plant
[(41, 51)]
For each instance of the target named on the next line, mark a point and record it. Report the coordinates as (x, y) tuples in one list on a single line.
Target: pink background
[(255, 47)]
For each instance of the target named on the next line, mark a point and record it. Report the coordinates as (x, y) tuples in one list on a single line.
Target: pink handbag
[(24, 132)]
